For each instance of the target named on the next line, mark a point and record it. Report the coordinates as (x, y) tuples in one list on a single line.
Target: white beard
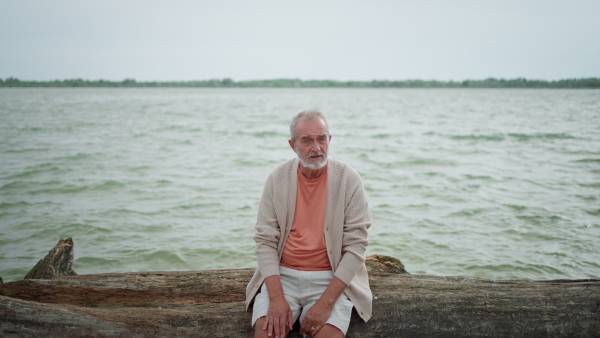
[(313, 166)]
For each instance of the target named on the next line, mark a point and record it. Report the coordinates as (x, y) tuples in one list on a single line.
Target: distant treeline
[(297, 83)]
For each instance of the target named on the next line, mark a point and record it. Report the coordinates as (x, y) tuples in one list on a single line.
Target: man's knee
[(330, 331), (260, 333), (258, 325)]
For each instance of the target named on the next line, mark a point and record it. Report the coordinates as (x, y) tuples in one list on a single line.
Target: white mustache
[(314, 154)]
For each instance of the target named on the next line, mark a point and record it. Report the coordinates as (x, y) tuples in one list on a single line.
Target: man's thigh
[(319, 281), (301, 301), (340, 315), (330, 331), (262, 303)]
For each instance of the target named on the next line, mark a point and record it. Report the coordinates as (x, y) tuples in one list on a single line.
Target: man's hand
[(279, 310), (279, 319), (315, 318), (319, 313)]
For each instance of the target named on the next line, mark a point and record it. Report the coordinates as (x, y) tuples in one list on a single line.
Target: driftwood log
[(211, 304), (58, 262)]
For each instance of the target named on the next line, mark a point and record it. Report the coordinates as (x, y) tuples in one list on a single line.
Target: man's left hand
[(315, 318)]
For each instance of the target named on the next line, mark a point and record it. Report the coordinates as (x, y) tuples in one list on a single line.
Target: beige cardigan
[(347, 219)]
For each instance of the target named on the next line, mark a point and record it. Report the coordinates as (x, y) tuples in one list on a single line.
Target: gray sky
[(327, 39)]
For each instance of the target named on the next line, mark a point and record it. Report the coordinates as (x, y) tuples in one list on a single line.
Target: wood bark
[(211, 304), (58, 262)]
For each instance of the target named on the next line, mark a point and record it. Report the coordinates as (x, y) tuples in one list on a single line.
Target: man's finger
[(290, 319), (270, 329), (305, 328), (282, 327), (276, 327), (316, 330)]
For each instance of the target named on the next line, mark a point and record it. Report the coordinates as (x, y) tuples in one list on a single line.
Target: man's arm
[(357, 220), (279, 310), (267, 233), (267, 237)]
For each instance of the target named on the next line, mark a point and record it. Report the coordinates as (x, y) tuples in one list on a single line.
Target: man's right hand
[(279, 318)]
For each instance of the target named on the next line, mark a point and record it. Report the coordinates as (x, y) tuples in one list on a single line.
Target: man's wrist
[(274, 288), (276, 298), (327, 302)]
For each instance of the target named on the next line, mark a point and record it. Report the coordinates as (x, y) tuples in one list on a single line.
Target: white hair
[(306, 115)]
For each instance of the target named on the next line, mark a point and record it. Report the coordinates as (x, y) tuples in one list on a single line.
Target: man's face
[(311, 143)]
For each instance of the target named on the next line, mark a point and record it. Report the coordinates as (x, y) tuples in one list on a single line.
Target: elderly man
[(311, 236)]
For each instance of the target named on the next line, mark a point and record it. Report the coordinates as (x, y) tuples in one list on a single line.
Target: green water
[(500, 184)]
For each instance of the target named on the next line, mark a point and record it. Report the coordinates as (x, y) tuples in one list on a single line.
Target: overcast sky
[(327, 39)]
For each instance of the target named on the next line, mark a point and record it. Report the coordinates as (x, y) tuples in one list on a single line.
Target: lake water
[(499, 184)]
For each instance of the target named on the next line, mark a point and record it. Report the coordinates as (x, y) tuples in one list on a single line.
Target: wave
[(72, 158), (165, 256), (588, 160), (121, 212), (60, 188), (10, 205), (494, 138), (515, 270), (526, 137), (139, 168), (382, 136), (478, 177), (416, 162), (45, 169), (26, 150), (265, 134), (516, 207), (470, 212), (14, 274), (198, 206), (516, 136), (95, 261), (593, 212)]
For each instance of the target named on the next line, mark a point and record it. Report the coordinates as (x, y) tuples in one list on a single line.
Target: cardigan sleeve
[(267, 233), (357, 219)]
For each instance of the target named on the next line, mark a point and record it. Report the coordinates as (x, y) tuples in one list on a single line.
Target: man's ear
[(292, 145)]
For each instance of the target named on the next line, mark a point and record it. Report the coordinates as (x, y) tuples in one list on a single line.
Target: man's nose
[(316, 147)]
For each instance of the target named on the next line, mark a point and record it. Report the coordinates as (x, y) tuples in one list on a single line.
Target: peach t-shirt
[(305, 247)]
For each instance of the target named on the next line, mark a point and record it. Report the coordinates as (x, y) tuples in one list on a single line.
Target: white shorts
[(302, 289)]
